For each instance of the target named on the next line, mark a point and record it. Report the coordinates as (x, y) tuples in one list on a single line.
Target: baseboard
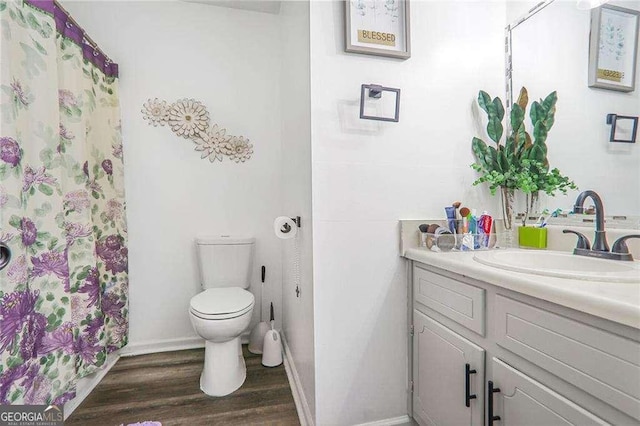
[(402, 420), (88, 383), (162, 345), (302, 406), (168, 345)]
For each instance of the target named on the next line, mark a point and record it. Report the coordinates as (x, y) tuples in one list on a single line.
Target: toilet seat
[(222, 303), (220, 316)]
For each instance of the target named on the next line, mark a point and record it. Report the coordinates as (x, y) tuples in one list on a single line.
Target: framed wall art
[(613, 48), (378, 27)]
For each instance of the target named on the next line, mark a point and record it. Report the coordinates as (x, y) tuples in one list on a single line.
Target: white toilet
[(222, 311)]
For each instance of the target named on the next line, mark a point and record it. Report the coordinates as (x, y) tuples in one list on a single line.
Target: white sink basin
[(561, 264)]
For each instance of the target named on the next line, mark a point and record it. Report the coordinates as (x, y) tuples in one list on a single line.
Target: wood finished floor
[(164, 387)]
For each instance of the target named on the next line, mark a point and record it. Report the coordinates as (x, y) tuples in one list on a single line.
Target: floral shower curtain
[(63, 296)]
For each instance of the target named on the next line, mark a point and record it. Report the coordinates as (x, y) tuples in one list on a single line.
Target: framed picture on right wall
[(613, 48), (378, 27)]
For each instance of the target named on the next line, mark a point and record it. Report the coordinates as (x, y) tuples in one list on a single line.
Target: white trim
[(302, 406), (168, 345), (162, 345), (87, 385), (401, 420)]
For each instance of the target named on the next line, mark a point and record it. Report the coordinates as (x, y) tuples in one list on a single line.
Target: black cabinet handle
[(467, 385), (491, 417), (264, 273)]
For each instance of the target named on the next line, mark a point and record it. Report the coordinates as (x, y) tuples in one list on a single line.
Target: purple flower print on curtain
[(114, 253), (77, 201), (91, 287), (59, 339), (113, 211), (66, 136), (76, 231), (20, 95), (22, 327), (87, 348), (52, 262), (10, 151), (64, 295), (112, 306), (94, 327), (107, 166), (29, 231), (17, 272), (64, 398), (25, 374), (36, 177)]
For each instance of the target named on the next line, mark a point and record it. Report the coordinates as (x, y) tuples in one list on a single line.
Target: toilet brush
[(256, 338), (272, 347)]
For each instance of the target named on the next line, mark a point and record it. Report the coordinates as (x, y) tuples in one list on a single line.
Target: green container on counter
[(533, 237)]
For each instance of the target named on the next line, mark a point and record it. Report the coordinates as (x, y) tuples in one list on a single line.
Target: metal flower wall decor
[(190, 119)]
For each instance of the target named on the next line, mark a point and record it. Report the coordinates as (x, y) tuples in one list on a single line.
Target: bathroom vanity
[(497, 347)]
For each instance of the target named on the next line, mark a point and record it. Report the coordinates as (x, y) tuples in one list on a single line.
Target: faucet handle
[(620, 246), (583, 242)]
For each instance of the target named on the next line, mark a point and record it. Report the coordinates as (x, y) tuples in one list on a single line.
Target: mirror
[(550, 51)]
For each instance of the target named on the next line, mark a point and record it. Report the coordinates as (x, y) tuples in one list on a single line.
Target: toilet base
[(224, 368)]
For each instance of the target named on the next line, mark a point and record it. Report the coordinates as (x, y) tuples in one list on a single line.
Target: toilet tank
[(225, 261)]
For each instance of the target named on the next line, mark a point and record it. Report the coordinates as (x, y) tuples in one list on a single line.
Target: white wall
[(296, 170), (516, 9), (367, 175), (578, 144), (230, 60)]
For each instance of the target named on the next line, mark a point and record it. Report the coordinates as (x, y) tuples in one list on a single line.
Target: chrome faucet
[(600, 247)]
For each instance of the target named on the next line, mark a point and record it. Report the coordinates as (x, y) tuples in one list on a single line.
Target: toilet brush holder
[(272, 346), (272, 349)]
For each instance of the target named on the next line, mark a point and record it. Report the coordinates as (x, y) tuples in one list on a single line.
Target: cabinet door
[(523, 401), (439, 389), (600, 363)]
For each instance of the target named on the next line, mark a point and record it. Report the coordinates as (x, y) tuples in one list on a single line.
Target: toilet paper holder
[(286, 228)]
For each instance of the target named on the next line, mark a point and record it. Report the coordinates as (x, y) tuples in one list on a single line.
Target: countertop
[(618, 302)]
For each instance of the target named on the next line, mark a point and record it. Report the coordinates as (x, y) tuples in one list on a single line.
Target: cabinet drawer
[(463, 303), (602, 364)]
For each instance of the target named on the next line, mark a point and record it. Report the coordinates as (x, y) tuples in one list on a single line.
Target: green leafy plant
[(520, 163)]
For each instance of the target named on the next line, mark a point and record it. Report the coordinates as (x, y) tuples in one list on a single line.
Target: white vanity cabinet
[(532, 362)]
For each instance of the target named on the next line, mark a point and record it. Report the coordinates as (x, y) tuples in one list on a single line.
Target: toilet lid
[(220, 301)]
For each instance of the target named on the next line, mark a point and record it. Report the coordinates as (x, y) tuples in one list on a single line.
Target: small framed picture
[(378, 27), (613, 48)]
